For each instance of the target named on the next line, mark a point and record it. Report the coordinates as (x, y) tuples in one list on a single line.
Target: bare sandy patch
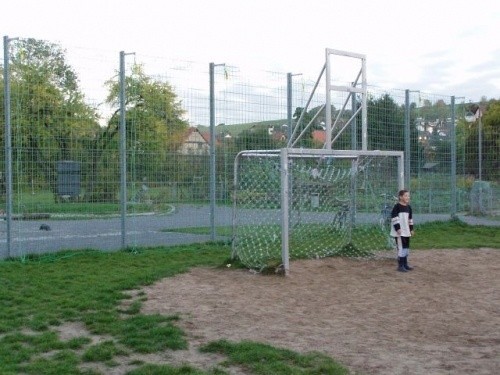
[(441, 318)]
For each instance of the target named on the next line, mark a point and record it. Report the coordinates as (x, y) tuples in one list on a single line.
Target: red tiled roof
[(319, 136)]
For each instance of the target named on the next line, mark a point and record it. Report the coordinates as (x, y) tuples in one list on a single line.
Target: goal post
[(311, 203)]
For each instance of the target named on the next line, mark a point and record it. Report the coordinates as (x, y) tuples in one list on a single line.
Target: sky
[(439, 47)]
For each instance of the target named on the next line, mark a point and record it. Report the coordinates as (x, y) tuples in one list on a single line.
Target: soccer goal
[(312, 203)]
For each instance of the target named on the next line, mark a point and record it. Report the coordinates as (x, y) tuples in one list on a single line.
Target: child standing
[(402, 228)]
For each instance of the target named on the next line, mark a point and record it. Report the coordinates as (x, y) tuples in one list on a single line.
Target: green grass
[(26, 203), (264, 359), (454, 234), (41, 293), (219, 231)]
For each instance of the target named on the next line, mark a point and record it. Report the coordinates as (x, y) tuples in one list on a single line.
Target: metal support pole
[(480, 151), (123, 150), (480, 148), (212, 148), (401, 172), (284, 211), (364, 110), (289, 91), (123, 154), (8, 144), (407, 139), (328, 101), (453, 157), (354, 127), (289, 106)]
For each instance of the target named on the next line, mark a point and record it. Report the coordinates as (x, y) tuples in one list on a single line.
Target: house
[(195, 143), (319, 137)]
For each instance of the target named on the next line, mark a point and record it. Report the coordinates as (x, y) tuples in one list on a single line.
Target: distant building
[(319, 137), (195, 143)]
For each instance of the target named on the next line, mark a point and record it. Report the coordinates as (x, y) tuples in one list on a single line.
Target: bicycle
[(385, 217), (340, 218)]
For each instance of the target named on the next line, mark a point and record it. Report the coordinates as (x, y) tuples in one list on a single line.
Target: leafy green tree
[(491, 145), (49, 113), (385, 124), (490, 141), (154, 124), (255, 139), (154, 114)]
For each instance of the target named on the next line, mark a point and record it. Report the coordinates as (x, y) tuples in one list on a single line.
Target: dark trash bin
[(68, 180)]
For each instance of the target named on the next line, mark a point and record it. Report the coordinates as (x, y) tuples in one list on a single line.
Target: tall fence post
[(123, 154), (289, 106), (407, 133), (8, 143), (212, 149), (123, 151), (453, 156)]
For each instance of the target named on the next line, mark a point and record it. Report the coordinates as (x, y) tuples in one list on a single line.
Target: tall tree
[(385, 124), (49, 113), (490, 136), (154, 127)]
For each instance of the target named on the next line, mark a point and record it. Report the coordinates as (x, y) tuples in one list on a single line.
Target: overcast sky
[(439, 47)]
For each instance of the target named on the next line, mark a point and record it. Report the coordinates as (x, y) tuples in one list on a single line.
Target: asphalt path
[(105, 234), (148, 230)]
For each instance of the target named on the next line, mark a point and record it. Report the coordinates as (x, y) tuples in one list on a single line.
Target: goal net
[(309, 203)]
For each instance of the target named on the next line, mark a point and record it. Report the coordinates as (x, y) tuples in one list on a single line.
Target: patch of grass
[(265, 359), (88, 287), (63, 362), (454, 234), (219, 231), (134, 308), (151, 333), (169, 370), (104, 351)]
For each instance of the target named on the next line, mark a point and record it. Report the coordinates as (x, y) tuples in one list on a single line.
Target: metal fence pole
[(123, 150), (453, 156), (212, 150), (123, 155), (407, 139), (289, 106), (8, 144), (354, 124), (284, 211)]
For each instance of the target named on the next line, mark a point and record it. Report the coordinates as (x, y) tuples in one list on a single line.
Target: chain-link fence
[(109, 150)]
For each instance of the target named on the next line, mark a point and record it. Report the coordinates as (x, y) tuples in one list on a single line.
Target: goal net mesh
[(338, 205)]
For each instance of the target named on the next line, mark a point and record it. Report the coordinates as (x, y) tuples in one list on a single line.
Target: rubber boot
[(401, 265), (405, 264)]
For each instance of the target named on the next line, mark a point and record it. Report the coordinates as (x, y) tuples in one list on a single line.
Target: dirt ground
[(441, 318)]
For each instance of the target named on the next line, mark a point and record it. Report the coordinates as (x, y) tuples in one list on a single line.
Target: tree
[(385, 124), (490, 141), (255, 139), (491, 147), (154, 127), (49, 113)]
